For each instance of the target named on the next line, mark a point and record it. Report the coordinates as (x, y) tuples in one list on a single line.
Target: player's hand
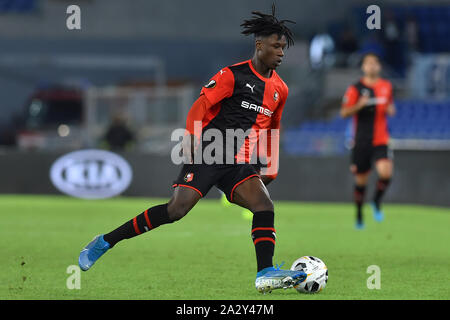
[(188, 146), (363, 101)]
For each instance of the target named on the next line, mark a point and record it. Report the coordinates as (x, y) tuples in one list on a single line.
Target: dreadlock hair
[(265, 25)]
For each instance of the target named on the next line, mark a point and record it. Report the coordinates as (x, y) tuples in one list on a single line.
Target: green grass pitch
[(209, 253)]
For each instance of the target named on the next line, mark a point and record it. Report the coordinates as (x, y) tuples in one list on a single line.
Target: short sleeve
[(220, 86), (350, 97), (276, 117)]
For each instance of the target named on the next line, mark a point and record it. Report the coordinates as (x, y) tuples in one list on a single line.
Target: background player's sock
[(382, 185), (263, 236), (146, 221), (359, 193)]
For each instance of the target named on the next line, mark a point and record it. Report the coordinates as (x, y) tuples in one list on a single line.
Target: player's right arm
[(219, 87), (352, 103), (195, 115)]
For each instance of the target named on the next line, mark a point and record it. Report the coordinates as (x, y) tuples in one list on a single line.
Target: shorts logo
[(188, 177), (211, 84), (275, 96)]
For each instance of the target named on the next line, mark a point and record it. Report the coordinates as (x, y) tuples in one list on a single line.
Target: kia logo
[(91, 174)]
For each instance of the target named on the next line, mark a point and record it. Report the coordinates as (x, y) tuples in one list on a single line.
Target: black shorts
[(363, 156), (226, 177)]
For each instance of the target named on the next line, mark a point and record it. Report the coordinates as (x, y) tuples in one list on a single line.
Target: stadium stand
[(418, 120)]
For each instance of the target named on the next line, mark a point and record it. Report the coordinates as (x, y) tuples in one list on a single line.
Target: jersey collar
[(259, 75), (369, 85)]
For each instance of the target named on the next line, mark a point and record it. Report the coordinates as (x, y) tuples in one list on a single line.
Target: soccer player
[(246, 95), (370, 101)]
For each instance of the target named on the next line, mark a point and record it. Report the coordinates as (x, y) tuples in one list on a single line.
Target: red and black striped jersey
[(370, 123), (241, 98)]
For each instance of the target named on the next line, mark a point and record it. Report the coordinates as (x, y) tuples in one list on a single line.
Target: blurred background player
[(221, 107), (370, 101), (119, 136)]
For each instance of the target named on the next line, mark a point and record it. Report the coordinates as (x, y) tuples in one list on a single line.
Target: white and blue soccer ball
[(317, 273)]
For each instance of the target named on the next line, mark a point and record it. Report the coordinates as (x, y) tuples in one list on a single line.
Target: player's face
[(371, 66), (271, 50)]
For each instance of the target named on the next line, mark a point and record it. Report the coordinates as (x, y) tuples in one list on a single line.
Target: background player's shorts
[(364, 155), (226, 177)]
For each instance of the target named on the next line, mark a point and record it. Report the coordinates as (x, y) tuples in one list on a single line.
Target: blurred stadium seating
[(17, 6), (433, 24), (421, 121)]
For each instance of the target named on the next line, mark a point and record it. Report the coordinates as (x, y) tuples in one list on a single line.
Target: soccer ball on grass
[(317, 273)]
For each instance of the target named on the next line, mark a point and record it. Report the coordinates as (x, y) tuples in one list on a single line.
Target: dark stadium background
[(178, 45)]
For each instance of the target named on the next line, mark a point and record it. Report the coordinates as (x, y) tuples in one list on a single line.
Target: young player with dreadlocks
[(245, 96)]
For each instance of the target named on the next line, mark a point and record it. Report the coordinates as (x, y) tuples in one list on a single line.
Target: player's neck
[(370, 80), (261, 68)]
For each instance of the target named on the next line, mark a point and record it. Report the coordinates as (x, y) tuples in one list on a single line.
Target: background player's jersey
[(370, 123), (243, 99)]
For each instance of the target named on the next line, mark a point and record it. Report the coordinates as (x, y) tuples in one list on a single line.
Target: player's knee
[(265, 204), (178, 210), (385, 176), (361, 179)]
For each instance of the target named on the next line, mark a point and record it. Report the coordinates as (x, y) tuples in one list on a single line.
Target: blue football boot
[(359, 225), (378, 215), (92, 252), (271, 278)]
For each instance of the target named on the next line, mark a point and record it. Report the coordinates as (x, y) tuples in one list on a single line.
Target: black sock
[(359, 193), (382, 185), (146, 221), (263, 236)]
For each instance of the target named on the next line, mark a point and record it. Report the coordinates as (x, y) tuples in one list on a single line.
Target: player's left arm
[(273, 143), (391, 110)]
